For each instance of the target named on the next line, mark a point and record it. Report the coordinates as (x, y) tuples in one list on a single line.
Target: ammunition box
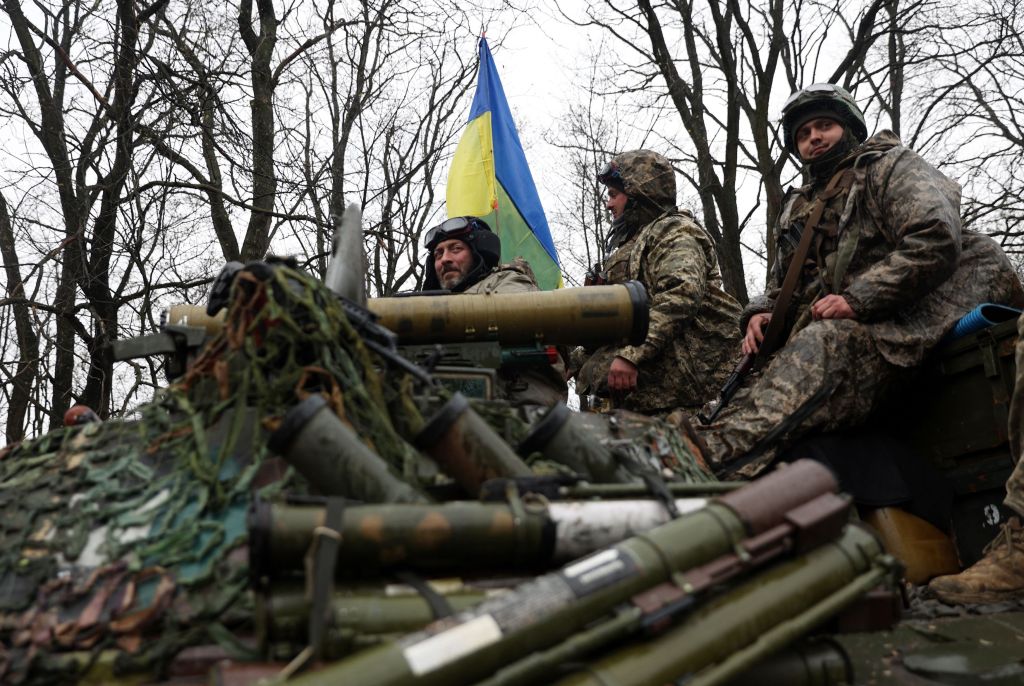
[(956, 416)]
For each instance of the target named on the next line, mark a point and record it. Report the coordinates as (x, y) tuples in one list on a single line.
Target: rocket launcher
[(756, 618), (544, 612), (456, 537), (360, 616), (464, 339), (453, 334), (597, 315)]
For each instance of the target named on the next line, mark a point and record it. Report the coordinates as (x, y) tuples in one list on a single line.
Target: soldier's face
[(816, 137), (452, 261), (616, 203)]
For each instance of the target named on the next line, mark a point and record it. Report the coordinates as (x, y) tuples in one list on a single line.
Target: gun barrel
[(597, 315)]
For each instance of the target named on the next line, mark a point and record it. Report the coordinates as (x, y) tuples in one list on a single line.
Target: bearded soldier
[(463, 256), (872, 269), (692, 331)]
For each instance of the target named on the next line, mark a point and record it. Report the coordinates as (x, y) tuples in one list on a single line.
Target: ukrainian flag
[(490, 179)]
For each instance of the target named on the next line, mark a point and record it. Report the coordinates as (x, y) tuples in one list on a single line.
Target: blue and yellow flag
[(490, 179)]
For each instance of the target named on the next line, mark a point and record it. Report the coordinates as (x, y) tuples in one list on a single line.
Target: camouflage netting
[(128, 536), (124, 542)]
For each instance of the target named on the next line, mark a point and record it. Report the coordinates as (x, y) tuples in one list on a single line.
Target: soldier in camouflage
[(999, 575), (463, 257), (692, 331), (888, 272)]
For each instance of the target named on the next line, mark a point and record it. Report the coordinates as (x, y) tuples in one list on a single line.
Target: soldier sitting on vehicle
[(999, 575), (872, 269), (463, 256), (692, 333)]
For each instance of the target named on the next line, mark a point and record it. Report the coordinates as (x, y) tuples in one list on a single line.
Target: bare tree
[(587, 136), (26, 367), (718, 63)]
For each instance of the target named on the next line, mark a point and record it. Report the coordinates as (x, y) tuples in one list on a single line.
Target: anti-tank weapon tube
[(734, 630), (356, 616), (333, 458), (545, 611), (451, 537), (467, 448), (597, 315)]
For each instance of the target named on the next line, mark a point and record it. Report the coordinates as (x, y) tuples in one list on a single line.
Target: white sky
[(544, 62)]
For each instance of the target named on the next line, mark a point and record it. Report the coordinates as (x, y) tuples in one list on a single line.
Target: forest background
[(148, 143)]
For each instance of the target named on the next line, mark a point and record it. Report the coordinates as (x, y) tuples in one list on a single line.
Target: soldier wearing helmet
[(463, 256), (460, 253), (880, 270), (692, 331)]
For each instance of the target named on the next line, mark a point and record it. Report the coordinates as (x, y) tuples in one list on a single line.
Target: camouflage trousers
[(831, 370)]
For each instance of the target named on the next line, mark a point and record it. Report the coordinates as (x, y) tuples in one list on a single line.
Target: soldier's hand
[(755, 332), (622, 376), (832, 307)]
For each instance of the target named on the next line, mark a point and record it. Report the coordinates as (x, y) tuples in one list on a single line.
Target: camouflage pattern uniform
[(692, 336), (545, 386), (890, 242)]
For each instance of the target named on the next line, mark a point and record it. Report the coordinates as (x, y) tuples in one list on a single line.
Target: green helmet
[(643, 175), (821, 100)]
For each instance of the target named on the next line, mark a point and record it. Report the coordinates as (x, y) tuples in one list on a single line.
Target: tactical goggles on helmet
[(610, 175), (828, 88), (456, 227)]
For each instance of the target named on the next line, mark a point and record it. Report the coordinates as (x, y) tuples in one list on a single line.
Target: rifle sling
[(773, 337)]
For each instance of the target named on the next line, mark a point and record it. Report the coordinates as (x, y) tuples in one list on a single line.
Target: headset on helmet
[(821, 99)]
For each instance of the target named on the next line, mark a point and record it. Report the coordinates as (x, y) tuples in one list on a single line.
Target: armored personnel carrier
[(304, 504)]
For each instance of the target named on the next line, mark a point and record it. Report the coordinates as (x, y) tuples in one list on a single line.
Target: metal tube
[(596, 315), (467, 448), (552, 607), (738, 628), (284, 612), (460, 536), (331, 456)]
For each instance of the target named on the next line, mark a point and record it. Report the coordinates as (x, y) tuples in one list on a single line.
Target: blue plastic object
[(981, 317)]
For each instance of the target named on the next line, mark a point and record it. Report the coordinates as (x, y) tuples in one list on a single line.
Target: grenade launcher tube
[(746, 620), (452, 536), (545, 611)]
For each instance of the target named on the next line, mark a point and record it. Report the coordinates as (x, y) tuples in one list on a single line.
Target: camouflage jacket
[(545, 386), (891, 243), (692, 336)]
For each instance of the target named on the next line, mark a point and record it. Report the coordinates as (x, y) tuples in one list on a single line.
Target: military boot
[(997, 577)]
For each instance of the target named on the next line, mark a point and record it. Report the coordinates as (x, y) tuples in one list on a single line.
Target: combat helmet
[(474, 232), (643, 175), (821, 100)]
